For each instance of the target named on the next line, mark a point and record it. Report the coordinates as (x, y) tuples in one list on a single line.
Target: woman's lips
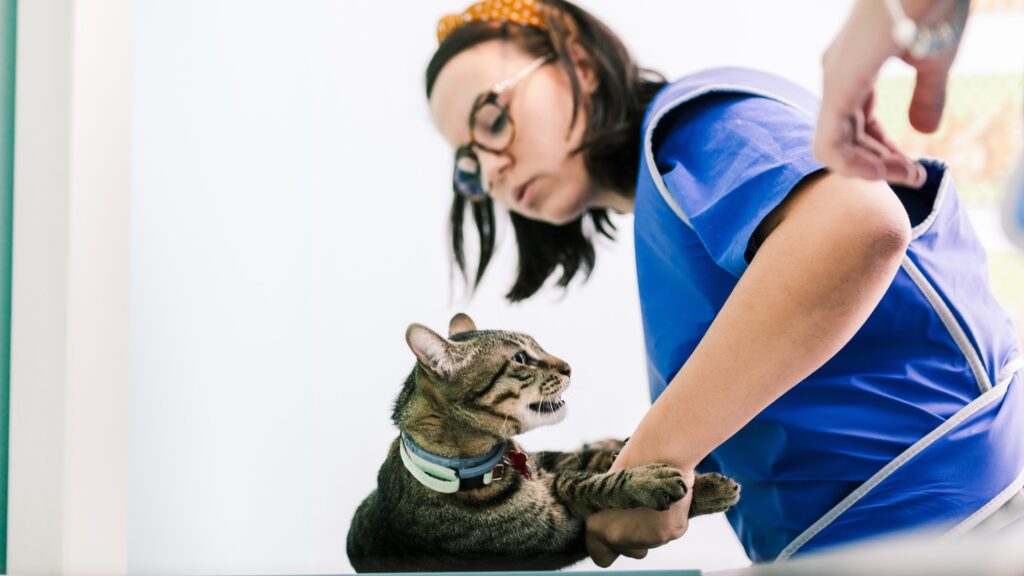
[(523, 193)]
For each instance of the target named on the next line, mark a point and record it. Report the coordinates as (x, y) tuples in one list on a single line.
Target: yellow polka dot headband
[(526, 12)]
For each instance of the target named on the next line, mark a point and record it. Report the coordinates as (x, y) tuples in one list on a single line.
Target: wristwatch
[(924, 41)]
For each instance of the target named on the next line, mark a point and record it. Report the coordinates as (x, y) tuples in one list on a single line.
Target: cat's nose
[(564, 369)]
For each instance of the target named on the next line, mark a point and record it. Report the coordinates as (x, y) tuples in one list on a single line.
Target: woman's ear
[(586, 71)]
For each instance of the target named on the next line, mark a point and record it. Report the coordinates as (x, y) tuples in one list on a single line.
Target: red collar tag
[(519, 461)]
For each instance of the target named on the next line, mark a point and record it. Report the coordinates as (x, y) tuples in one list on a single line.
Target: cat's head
[(502, 383)]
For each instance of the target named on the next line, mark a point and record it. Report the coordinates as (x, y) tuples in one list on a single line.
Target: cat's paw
[(713, 493), (656, 486)]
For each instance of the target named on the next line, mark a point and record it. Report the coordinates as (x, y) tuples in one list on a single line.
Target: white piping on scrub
[(956, 331), (652, 167), (963, 414)]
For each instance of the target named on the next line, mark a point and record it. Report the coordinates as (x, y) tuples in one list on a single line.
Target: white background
[(289, 214)]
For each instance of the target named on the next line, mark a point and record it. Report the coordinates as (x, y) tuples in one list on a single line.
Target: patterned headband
[(526, 12)]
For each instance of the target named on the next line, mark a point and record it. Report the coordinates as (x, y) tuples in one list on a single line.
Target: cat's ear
[(433, 351), (460, 323)]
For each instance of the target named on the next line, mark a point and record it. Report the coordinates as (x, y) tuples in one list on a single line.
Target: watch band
[(924, 41)]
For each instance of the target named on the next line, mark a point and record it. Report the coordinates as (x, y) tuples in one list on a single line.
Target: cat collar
[(450, 475)]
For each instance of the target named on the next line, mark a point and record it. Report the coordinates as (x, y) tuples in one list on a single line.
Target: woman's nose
[(493, 167)]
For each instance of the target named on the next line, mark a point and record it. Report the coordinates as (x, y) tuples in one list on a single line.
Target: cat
[(465, 399)]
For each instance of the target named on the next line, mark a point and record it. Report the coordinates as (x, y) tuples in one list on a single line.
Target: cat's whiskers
[(505, 423), (579, 461), (536, 393)]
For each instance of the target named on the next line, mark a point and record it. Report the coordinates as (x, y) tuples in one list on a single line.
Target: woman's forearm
[(834, 250)]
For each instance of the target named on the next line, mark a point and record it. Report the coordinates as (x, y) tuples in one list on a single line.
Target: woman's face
[(537, 176)]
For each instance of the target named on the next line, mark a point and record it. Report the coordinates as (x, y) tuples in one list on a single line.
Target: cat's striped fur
[(466, 394)]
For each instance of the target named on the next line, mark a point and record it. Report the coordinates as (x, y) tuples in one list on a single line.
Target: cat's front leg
[(594, 457), (654, 486)]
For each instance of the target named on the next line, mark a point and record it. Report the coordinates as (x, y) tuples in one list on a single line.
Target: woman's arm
[(829, 253)]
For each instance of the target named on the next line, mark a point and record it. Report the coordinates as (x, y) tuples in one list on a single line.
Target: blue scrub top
[(916, 420)]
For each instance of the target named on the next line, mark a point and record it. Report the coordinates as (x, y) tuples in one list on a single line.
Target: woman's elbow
[(882, 229), (867, 222), (893, 231), (863, 224), (890, 239)]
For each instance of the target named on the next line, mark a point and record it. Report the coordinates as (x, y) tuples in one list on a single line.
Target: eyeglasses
[(490, 129)]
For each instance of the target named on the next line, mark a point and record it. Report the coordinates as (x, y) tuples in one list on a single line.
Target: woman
[(831, 343)]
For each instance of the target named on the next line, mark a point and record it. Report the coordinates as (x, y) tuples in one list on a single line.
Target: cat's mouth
[(548, 406)]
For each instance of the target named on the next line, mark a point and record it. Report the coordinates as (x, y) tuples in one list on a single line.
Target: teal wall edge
[(8, 29)]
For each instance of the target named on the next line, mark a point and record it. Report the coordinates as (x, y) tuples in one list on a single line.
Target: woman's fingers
[(857, 145), (867, 164), (861, 138), (831, 139), (900, 168), (929, 99), (635, 553), (836, 146), (605, 555), (599, 551), (874, 145), (631, 533)]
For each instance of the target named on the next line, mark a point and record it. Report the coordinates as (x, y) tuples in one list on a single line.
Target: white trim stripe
[(983, 513), (1014, 488), (963, 414), (977, 369), (1012, 367), (952, 326), (652, 167)]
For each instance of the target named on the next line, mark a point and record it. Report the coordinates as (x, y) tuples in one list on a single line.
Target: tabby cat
[(456, 493)]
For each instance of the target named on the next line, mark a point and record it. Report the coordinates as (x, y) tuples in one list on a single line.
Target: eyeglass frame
[(491, 97)]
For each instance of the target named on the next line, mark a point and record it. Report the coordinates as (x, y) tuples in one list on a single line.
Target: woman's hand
[(632, 532), (849, 139)]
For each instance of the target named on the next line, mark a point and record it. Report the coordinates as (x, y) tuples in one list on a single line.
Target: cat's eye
[(520, 357)]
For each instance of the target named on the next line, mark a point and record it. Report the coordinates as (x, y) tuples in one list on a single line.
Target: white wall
[(70, 289), (289, 221)]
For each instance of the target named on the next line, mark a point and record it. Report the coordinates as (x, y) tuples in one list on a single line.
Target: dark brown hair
[(610, 147)]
